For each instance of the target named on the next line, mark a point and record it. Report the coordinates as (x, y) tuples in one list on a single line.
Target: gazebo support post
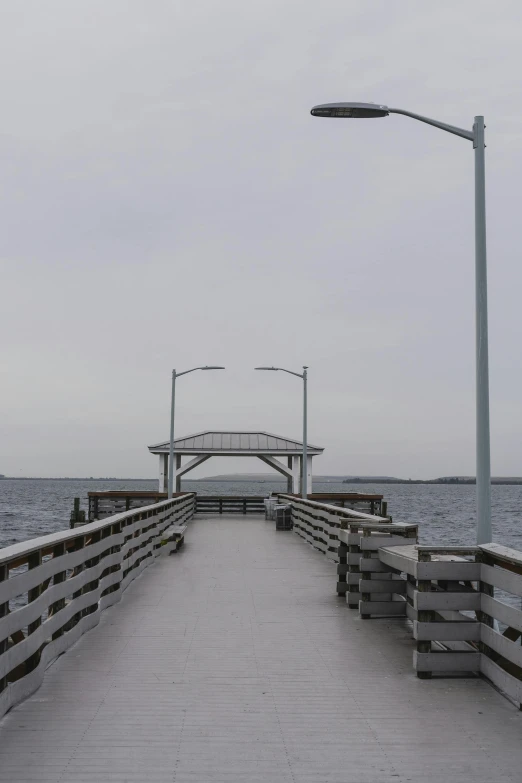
[(295, 475), (178, 478), (163, 472), (290, 479)]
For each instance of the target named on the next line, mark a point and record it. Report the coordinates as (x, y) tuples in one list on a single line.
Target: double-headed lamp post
[(476, 136), (172, 402), (304, 467)]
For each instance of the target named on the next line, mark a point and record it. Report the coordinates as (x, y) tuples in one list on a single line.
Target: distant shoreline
[(451, 481), (71, 478)]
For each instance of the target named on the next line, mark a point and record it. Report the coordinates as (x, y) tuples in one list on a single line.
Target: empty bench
[(174, 538)]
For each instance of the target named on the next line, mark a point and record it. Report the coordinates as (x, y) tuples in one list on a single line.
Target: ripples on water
[(445, 513)]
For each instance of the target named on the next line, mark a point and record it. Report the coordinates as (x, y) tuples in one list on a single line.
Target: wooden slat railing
[(54, 588), (231, 504), (319, 523), (465, 603), (369, 585)]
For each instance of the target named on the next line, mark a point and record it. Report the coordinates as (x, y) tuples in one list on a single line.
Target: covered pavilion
[(218, 443)]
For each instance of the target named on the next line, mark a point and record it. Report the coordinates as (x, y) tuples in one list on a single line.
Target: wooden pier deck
[(235, 661)]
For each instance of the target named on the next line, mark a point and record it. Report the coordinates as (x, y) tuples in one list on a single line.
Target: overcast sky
[(167, 201)]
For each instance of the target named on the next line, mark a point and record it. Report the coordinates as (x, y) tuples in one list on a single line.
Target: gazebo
[(217, 443)]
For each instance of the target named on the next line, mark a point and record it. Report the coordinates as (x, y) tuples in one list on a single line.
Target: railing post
[(58, 578), (78, 544), (423, 616), (4, 610), (352, 596), (342, 566), (34, 561)]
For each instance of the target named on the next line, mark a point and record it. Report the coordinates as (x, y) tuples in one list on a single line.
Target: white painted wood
[(277, 465), (504, 553), (500, 577), (501, 679), (512, 651), (508, 615), (388, 608), (452, 570), (441, 632), (402, 558), (382, 586), (25, 548), (372, 565), (375, 542), (448, 551), (190, 465), (295, 474), (163, 473), (177, 679), (22, 688), (21, 583), (25, 615), (446, 662), (138, 543), (343, 513), (442, 600)]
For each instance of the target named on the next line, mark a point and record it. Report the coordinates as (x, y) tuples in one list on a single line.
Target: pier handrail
[(54, 588), (321, 523), (336, 510), (46, 543), (463, 601)]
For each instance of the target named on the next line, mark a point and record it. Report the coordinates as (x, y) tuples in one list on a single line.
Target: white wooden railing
[(464, 603), (54, 588), (319, 523)]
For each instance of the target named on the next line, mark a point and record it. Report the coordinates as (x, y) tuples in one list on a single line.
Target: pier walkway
[(233, 660)]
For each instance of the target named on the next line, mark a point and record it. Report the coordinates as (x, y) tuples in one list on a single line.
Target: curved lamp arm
[(465, 134), (196, 368), (281, 369)]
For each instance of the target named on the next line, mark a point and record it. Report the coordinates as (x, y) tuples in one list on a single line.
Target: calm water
[(446, 514)]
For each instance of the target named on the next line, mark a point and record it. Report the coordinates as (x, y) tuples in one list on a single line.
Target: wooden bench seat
[(174, 538)]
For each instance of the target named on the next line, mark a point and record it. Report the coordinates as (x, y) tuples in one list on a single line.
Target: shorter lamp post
[(304, 376), (172, 402)]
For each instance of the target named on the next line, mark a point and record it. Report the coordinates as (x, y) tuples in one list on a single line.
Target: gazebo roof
[(236, 443)]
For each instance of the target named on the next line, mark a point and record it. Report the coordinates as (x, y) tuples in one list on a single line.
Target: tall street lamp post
[(304, 467), (172, 402), (476, 136)]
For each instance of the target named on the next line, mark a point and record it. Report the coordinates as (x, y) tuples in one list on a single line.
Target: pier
[(238, 657)]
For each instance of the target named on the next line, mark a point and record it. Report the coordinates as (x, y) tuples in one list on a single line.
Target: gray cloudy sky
[(167, 200)]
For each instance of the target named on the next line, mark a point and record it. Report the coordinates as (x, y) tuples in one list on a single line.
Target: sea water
[(445, 513)]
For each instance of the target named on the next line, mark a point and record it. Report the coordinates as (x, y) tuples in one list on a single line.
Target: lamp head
[(344, 110), (266, 368), (212, 368)]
